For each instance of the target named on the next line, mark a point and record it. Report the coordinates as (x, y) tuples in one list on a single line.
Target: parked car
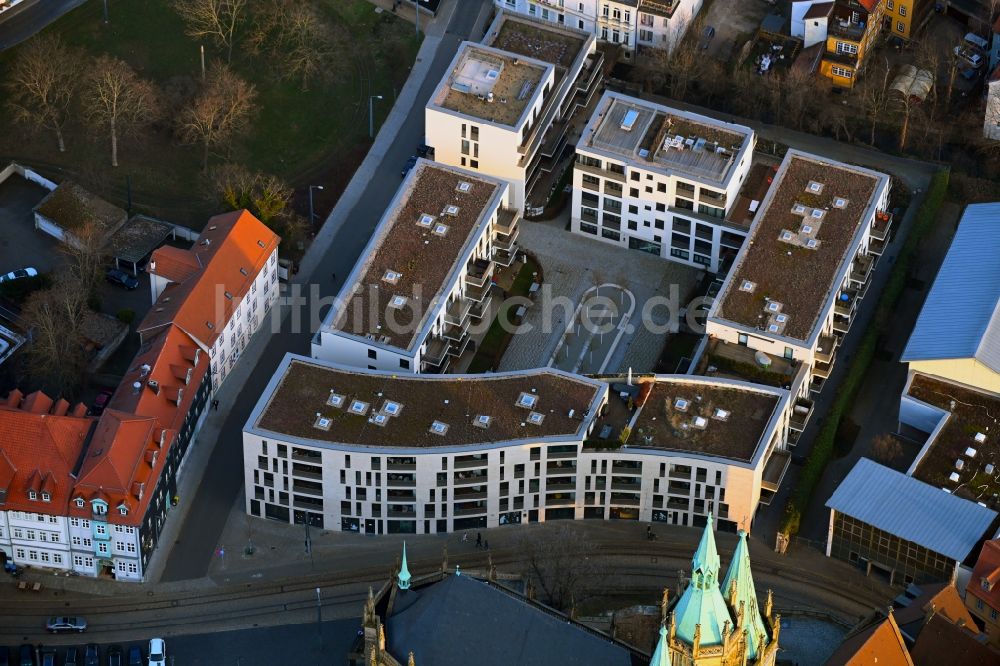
[(121, 278), (92, 655), (58, 625), (48, 656), (115, 655), (410, 163), (26, 655), (706, 37), (18, 274), (72, 657), (969, 55), (976, 40), (135, 656), (969, 74), (4, 655), (157, 652)]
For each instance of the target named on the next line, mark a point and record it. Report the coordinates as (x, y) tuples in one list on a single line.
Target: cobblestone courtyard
[(572, 264)]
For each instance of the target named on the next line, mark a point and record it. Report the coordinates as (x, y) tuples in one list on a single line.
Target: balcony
[(847, 301), (558, 467), (506, 241), (469, 478), (598, 171), (436, 351), (877, 247), (560, 484), (774, 471), (458, 348), (477, 293), (400, 481), (480, 309), (307, 472), (843, 26), (861, 269), (478, 272), (560, 500), (307, 487), (397, 496), (625, 499), (664, 7), (401, 465), (455, 333), (881, 225), (400, 513), (822, 370), (506, 221), (457, 311), (842, 325), (472, 510), (826, 348), (635, 470), (801, 413), (505, 257), (471, 462), (629, 487), (462, 495)]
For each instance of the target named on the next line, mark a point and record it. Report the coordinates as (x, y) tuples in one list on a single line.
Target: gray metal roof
[(961, 316), (911, 509), (461, 621)]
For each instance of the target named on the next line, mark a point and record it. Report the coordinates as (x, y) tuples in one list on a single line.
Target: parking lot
[(21, 245), (735, 22)]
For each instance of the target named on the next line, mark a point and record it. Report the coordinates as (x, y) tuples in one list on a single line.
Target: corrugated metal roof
[(961, 316), (911, 509)]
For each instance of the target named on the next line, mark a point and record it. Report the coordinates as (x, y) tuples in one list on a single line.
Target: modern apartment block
[(665, 181), (426, 275), (385, 453), (504, 107), (219, 291), (631, 24), (795, 288), (847, 29)]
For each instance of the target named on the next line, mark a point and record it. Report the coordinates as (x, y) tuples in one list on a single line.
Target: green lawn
[(495, 341), (318, 135)]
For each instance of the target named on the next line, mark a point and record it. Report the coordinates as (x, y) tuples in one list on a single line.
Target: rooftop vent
[(989, 468), (700, 422), (954, 477), (378, 419), (439, 428), (392, 277), (451, 209), (681, 405), (814, 187), (441, 230), (243, 271), (747, 286), (228, 295), (839, 202), (536, 418), (392, 408), (720, 414), (260, 243), (358, 407), (970, 452), (397, 302), (628, 121), (322, 422), (335, 400), (980, 437), (210, 325), (425, 221), (464, 186), (482, 421), (527, 400)]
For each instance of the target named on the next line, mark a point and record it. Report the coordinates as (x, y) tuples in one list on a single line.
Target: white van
[(977, 41)]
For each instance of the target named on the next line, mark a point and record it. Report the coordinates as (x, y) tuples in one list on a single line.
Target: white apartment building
[(219, 291), (796, 286), (664, 181), (633, 24), (504, 106), (426, 275), (384, 453)]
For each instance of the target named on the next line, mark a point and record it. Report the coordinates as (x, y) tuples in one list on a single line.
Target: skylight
[(700, 422), (807, 229), (774, 306), (814, 187), (358, 407), (392, 408), (379, 419), (451, 209), (482, 421), (425, 220), (392, 277), (840, 202), (720, 414), (536, 418), (323, 422), (335, 400), (747, 285), (464, 186), (439, 428), (397, 302), (817, 213), (527, 400), (681, 405), (441, 229)]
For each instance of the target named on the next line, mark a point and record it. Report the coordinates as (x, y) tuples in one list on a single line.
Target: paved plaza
[(574, 266)]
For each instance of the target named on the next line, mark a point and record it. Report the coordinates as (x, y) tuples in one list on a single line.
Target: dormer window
[(99, 509), (32, 495), (986, 585), (46, 497), (79, 503), (123, 510)]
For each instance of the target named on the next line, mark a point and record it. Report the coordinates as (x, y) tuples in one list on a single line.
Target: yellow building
[(904, 17), (853, 27)]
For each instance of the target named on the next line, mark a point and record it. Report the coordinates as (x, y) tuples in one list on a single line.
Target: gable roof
[(961, 315), (935, 599), (877, 641), (460, 620), (988, 567), (942, 642), (911, 509), (870, 5), (173, 263), (229, 253), (818, 10), (114, 454)]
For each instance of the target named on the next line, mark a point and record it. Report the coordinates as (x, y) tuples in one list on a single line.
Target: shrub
[(126, 316)]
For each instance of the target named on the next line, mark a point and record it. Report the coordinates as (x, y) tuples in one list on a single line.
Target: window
[(32, 495), (993, 614), (889, 5), (900, 26), (647, 19), (57, 558), (645, 35), (372, 354), (846, 47), (842, 72), (902, 10), (76, 541)]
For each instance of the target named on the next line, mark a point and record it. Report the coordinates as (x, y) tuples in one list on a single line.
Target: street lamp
[(312, 216), (371, 115)]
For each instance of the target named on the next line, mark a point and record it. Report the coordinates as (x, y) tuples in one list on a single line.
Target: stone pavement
[(572, 264)]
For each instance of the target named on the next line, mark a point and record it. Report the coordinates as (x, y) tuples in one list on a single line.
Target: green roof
[(740, 575)]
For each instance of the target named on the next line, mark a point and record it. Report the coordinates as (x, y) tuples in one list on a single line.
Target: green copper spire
[(702, 608), (661, 655), (403, 580), (745, 593)]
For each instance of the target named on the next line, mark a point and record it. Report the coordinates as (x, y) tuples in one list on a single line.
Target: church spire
[(706, 558), (739, 580), (661, 655), (403, 579), (701, 612)]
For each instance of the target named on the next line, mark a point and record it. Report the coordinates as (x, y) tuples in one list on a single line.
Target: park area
[(312, 65)]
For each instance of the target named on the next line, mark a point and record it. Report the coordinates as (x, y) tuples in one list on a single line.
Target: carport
[(136, 240)]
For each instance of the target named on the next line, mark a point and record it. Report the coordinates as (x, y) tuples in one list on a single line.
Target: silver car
[(58, 625), (18, 274)]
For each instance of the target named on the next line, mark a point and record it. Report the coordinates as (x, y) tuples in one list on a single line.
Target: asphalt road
[(29, 17), (223, 479)]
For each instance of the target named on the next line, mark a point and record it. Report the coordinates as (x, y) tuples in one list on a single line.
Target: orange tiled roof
[(870, 5), (878, 642), (173, 263), (941, 642), (939, 598), (231, 251), (987, 566), (40, 450)]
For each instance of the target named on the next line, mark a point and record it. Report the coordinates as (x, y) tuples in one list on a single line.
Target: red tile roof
[(231, 251), (941, 642), (878, 642), (870, 5), (173, 263), (988, 567), (39, 452)]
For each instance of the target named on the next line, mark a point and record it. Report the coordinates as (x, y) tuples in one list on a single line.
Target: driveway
[(20, 243), (734, 22)]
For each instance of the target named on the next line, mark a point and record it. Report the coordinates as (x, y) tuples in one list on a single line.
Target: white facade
[(991, 119), (655, 205), (652, 23), (811, 31)]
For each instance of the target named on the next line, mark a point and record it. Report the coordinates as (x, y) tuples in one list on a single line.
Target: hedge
[(823, 448)]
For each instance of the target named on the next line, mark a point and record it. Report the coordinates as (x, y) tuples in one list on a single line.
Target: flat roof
[(411, 243), (910, 509), (798, 245), (671, 140), (302, 388), (491, 84), (543, 41), (139, 237), (726, 419), (972, 414)]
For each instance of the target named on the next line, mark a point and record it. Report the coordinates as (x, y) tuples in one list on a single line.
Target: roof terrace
[(325, 402), (708, 418), (537, 40), (492, 85), (437, 214), (964, 458), (800, 240)]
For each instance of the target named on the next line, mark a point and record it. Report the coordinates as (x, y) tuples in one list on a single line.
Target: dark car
[(92, 656), (4, 655), (72, 657), (970, 74), (26, 656), (410, 163), (135, 656), (48, 656), (121, 278), (115, 655)]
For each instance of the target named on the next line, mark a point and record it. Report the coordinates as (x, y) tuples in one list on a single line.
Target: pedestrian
[(215, 405), (479, 539), (333, 277), (465, 537), (649, 531)]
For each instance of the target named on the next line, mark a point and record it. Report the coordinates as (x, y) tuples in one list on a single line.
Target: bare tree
[(559, 565), (41, 84), (54, 316), (266, 196), (217, 20), (886, 448), (117, 99), (299, 39), (686, 65), (86, 255), (874, 93), (219, 111), (907, 105)]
